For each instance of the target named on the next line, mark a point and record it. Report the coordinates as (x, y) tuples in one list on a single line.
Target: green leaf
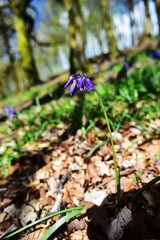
[(44, 219), (147, 185), (89, 154), (59, 223)]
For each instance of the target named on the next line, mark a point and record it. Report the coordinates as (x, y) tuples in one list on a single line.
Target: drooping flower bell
[(79, 82)]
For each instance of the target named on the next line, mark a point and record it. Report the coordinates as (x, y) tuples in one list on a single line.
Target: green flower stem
[(117, 172)]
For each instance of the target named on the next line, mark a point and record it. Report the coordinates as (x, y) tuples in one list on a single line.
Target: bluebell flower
[(158, 53), (11, 112), (126, 66), (79, 82), (151, 55)]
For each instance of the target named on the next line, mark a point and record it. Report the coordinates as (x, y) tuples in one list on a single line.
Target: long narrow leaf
[(89, 154), (59, 223), (42, 220), (147, 185)]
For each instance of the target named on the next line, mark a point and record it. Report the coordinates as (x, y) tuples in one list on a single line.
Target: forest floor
[(62, 170), (56, 173)]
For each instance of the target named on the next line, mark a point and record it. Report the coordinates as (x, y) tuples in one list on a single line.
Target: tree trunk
[(130, 4), (5, 37), (112, 46), (147, 25), (23, 42), (76, 36), (158, 12)]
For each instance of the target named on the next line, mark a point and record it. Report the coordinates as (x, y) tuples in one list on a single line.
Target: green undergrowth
[(129, 98), (18, 99)]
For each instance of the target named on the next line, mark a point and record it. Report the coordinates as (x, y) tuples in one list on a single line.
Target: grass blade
[(89, 154), (59, 223), (42, 220), (147, 185)]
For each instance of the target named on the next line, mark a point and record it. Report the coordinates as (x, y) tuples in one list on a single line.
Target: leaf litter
[(58, 174)]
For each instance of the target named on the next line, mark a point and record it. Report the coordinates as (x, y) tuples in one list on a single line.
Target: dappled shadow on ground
[(135, 220), (15, 187), (57, 173)]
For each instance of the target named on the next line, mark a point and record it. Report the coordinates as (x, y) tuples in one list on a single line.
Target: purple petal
[(126, 66), (73, 88), (70, 80), (158, 53), (80, 82), (88, 84), (11, 112), (12, 115)]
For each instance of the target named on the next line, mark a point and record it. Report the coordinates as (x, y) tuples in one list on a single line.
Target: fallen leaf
[(37, 235), (116, 229), (95, 196)]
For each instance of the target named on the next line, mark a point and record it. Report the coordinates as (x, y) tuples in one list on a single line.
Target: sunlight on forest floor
[(56, 154)]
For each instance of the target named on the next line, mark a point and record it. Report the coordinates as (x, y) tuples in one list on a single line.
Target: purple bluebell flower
[(126, 66), (79, 82), (11, 112), (158, 53), (151, 54)]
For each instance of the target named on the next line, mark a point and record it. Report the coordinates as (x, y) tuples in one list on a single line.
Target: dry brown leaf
[(104, 151), (127, 183), (28, 212), (5, 222), (72, 192), (75, 225), (95, 196), (12, 168), (35, 146), (5, 202), (79, 235), (43, 172), (36, 235), (7, 227), (91, 135), (3, 216), (3, 181), (151, 147), (116, 229), (91, 170)]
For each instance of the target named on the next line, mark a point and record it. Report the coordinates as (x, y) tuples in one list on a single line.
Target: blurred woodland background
[(42, 38)]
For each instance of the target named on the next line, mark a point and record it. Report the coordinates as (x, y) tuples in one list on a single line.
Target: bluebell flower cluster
[(154, 54), (11, 112), (151, 54), (158, 53), (79, 82)]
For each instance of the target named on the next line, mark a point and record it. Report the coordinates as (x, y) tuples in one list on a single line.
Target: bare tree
[(147, 25), (112, 45), (7, 31), (157, 2), (76, 35), (18, 7)]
